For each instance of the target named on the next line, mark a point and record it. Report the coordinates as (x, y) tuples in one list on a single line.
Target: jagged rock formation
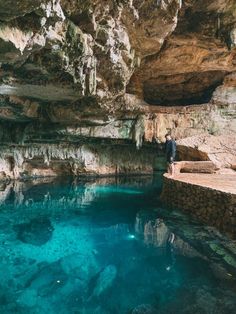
[(219, 149), (80, 73), (51, 160)]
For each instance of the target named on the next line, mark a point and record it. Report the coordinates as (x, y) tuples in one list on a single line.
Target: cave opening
[(182, 89)]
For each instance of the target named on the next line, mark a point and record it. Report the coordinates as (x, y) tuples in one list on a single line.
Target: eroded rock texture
[(82, 83)]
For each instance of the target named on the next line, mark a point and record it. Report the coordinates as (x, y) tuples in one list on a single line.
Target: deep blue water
[(104, 246)]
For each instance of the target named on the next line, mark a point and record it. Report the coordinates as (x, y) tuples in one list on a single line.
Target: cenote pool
[(107, 246)]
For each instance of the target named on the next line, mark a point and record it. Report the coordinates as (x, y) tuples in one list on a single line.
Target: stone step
[(195, 167)]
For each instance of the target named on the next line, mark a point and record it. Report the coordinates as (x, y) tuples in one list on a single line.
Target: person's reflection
[(170, 257), (157, 234)]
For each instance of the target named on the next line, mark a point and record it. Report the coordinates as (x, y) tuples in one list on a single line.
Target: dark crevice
[(194, 99), (182, 89)]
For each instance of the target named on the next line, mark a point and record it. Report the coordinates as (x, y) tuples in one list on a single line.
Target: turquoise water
[(104, 246)]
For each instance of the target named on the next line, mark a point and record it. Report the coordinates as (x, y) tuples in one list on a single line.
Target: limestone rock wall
[(219, 149), (51, 160), (124, 72)]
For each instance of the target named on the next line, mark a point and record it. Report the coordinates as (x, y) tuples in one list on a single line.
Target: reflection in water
[(170, 252), (107, 246), (154, 230), (156, 233), (22, 192)]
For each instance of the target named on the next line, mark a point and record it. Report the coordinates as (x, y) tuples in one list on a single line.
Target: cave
[(182, 89), (99, 213)]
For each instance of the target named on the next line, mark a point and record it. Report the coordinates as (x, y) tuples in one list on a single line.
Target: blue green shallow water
[(108, 246)]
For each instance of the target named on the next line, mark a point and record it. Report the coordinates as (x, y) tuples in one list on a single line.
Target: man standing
[(170, 154)]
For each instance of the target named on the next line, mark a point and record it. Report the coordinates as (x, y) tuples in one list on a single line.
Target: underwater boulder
[(36, 232), (104, 280), (28, 298), (144, 309), (80, 266), (48, 279)]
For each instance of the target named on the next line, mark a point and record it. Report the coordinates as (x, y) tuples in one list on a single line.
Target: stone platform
[(209, 197), (221, 182)]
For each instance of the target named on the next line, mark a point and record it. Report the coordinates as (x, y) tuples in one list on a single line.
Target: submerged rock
[(36, 232), (83, 267), (28, 298), (47, 280), (104, 280), (144, 309)]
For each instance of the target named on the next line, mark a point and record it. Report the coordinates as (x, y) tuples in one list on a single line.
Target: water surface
[(108, 246)]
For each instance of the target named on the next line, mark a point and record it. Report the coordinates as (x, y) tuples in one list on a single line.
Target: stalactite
[(139, 130)]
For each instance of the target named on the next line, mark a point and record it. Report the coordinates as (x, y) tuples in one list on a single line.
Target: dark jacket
[(170, 150)]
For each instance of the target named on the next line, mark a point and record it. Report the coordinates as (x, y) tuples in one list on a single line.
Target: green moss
[(230, 260), (71, 34), (124, 131), (217, 249), (75, 39)]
